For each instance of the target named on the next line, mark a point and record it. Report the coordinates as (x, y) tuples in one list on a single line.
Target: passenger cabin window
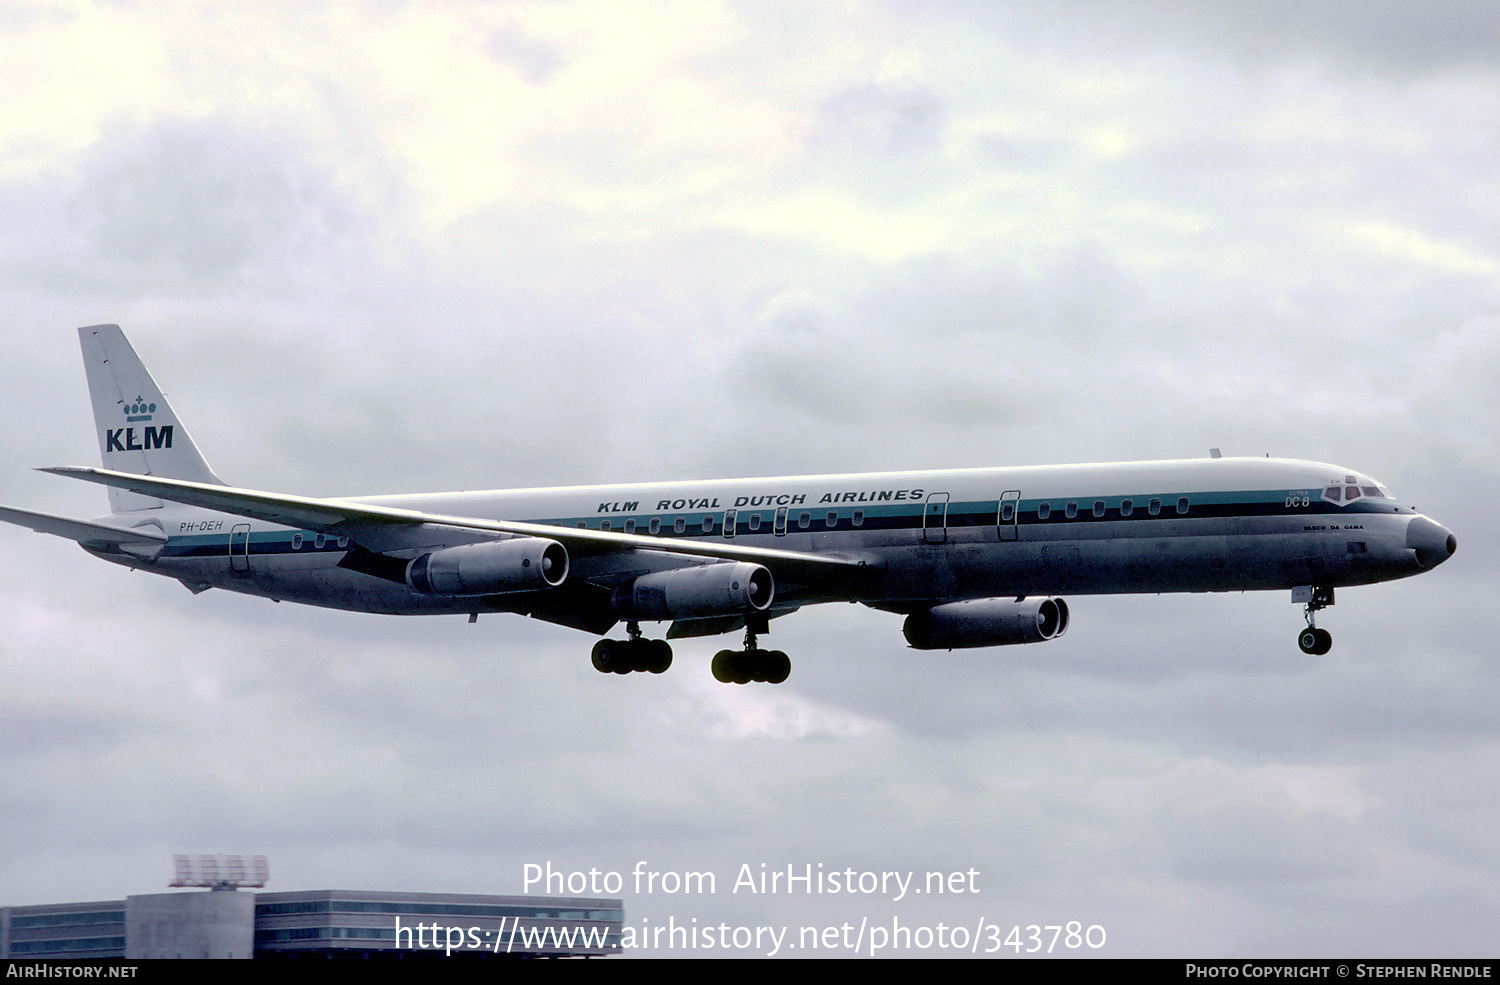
[(859, 518), (319, 541), (630, 525), (754, 521), (582, 525), (680, 524), (1155, 507), (297, 541), (605, 525), (343, 542), (1072, 510), (804, 521), (1043, 510), (1007, 512), (1182, 505), (1098, 507), (708, 524), (1126, 507), (655, 525), (832, 519)]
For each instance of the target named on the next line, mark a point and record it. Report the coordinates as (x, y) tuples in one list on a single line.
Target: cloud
[(203, 203), (377, 249)]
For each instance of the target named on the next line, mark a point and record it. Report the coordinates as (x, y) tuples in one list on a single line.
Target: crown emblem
[(139, 411)]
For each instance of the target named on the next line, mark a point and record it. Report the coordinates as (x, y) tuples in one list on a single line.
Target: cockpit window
[(1353, 488)]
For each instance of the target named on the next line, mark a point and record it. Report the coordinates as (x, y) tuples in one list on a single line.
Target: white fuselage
[(930, 537)]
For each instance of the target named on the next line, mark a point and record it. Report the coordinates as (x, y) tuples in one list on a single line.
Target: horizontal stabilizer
[(145, 541)]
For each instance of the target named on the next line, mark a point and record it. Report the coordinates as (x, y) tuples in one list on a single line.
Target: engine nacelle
[(986, 622), (518, 565), (720, 589)]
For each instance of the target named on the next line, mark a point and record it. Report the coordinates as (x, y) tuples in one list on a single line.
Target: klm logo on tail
[(124, 439)]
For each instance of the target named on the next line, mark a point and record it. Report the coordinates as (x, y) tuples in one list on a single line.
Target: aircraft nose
[(1433, 542)]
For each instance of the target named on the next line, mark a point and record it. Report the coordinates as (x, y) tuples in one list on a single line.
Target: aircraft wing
[(345, 517), (142, 541)]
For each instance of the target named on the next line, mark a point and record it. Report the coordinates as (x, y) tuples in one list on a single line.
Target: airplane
[(972, 557)]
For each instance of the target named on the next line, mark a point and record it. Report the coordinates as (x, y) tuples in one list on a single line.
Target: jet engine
[(720, 589), (986, 622), (518, 565)]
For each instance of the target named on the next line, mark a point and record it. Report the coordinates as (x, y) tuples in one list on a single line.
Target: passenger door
[(935, 519), (239, 547), (1008, 517)]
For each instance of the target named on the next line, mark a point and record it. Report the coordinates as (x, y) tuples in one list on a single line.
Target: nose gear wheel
[(1312, 639)]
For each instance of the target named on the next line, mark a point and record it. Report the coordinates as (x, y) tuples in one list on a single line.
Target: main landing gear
[(634, 654), (751, 663), (1312, 639), (729, 666)]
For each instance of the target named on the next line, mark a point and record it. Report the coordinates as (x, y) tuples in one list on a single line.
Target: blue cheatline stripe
[(984, 513)]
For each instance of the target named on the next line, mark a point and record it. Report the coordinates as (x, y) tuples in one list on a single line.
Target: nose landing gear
[(1315, 641), (1312, 639)]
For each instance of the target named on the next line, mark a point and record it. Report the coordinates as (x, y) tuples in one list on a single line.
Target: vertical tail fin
[(138, 430)]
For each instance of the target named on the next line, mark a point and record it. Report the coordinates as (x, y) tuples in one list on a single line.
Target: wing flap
[(347, 516), (292, 511)]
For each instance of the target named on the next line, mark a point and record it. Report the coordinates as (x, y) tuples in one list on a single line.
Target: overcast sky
[(391, 247)]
